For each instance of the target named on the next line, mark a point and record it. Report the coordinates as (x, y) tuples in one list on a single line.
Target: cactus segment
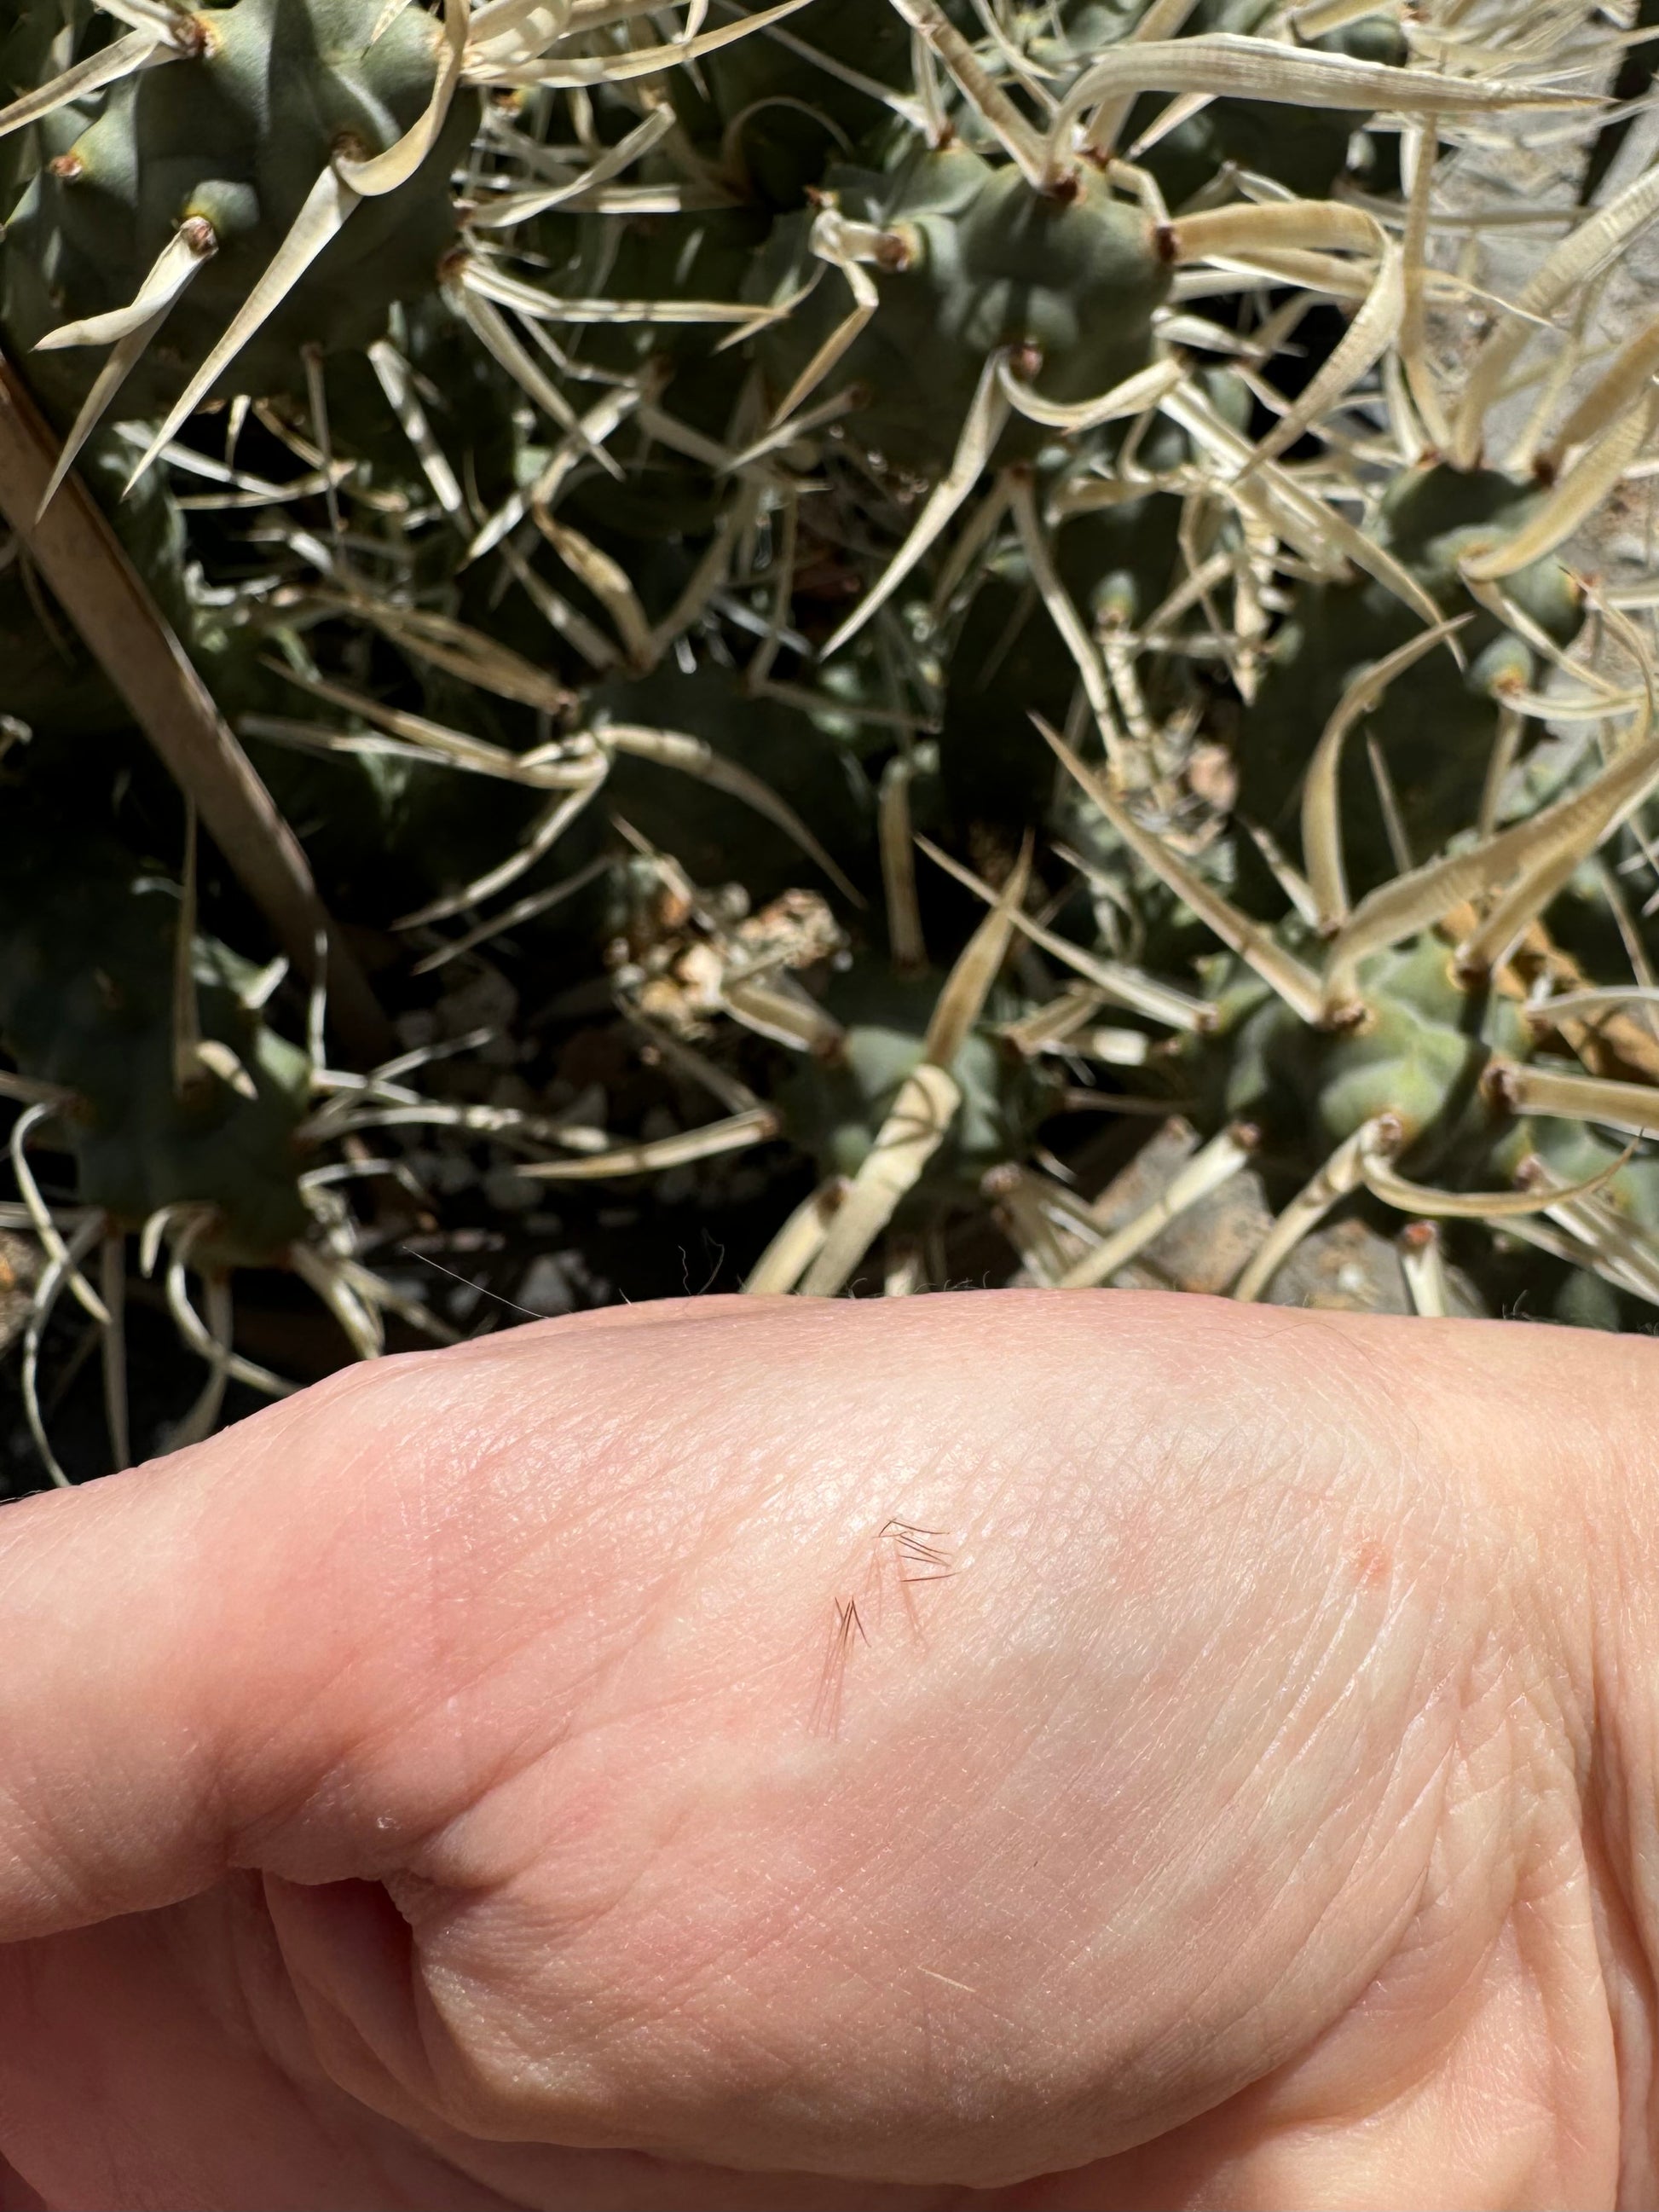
[(233, 137), (969, 260), (86, 1001), (1438, 724)]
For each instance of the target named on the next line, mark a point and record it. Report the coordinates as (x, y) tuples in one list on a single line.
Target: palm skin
[(470, 1785)]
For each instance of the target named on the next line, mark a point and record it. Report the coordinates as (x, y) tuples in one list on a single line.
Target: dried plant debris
[(923, 642)]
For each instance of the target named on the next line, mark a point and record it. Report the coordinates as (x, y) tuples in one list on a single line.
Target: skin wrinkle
[(1633, 2005), (659, 1998), (412, 1997), (1303, 2128), (1469, 2119), (1514, 1781), (260, 1963), (1172, 2050), (348, 2056), (1318, 1633), (1562, 2097), (1318, 1630), (1615, 1777), (436, 2076), (1434, 1963), (1438, 1935), (1296, 1715), (119, 2133), (522, 1758), (1511, 1959), (1315, 1848), (1326, 1636), (462, 2083), (1310, 1847), (1518, 1961), (469, 2158), (1621, 1763)]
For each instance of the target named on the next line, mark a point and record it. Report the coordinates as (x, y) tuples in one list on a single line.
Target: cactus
[(48, 680), (1307, 151), (1416, 1060), (141, 1051), (641, 596), (837, 1102), (88, 1004), (1418, 1094), (777, 115), (262, 180), (970, 261), (1116, 564), (28, 45), (700, 825), (222, 147), (1438, 723)]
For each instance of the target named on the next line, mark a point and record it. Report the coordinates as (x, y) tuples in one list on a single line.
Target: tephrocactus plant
[(1028, 598)]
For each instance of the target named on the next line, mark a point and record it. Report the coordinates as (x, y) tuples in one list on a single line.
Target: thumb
[(142, 1616), (242, 1655), (205, 1654)]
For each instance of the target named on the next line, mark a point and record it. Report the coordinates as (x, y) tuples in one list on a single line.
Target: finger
[(206, 1652)]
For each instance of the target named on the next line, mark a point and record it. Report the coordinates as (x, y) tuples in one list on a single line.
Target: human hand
[(467, 1785)]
